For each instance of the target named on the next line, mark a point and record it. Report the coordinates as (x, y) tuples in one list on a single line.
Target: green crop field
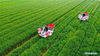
[(19, 20)]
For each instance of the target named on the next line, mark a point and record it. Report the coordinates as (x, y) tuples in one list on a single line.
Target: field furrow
[(20, 19)]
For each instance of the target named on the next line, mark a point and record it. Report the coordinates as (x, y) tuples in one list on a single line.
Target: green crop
[(19, 20)]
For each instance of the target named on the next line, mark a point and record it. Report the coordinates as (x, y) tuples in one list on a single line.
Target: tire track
[(83, 38), (23, 16), (70, 36), (36, 18), (62, 48), (32, 36), (43, 53), (52, 22), (22, 32), (96, 30), (93, 42)]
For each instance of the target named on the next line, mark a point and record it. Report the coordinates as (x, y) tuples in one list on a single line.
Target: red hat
[(85, 13), (51, 25)]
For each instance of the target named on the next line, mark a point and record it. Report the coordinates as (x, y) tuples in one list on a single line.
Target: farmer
[(46, 28), (83, 16)]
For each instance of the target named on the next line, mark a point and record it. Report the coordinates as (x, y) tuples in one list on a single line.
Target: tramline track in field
[(82, 41), (75, 29), (85, 32)]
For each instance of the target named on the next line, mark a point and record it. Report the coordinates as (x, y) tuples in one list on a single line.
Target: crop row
[(69, 33), (81, 42), (25, 31), (19, 19), (16, 10), (26, 13), (44, 45), (11, 4), (21, 26), (28, 4)]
